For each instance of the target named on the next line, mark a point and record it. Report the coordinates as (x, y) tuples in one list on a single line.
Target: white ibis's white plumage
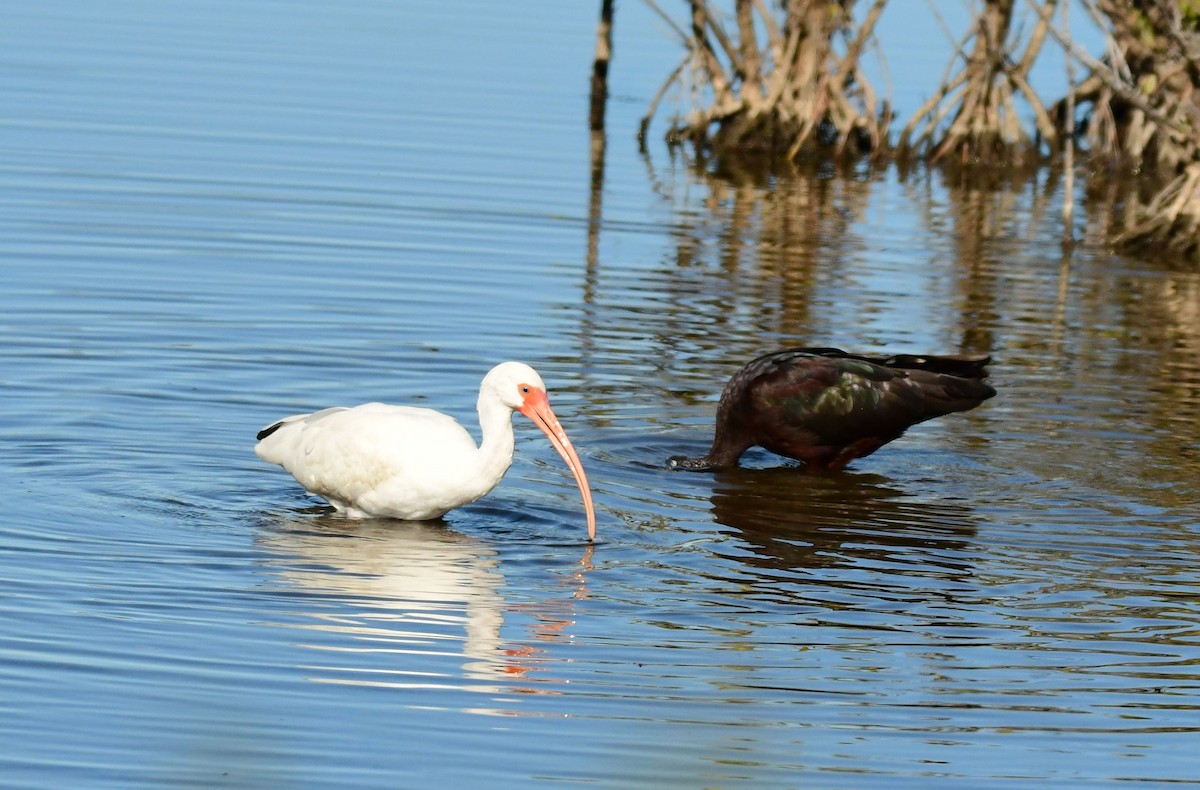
[(413, 463)]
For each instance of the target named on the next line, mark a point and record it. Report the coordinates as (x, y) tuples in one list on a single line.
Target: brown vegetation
[(782, 81), (786, 91), (986, 127), (1144, 115)]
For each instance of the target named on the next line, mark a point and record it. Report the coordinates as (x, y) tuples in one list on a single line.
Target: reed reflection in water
[(1094, 354)]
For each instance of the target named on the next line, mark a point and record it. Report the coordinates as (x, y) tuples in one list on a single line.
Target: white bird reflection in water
[(398, 601)]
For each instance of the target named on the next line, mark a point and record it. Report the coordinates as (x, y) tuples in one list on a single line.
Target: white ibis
[(377, 460)]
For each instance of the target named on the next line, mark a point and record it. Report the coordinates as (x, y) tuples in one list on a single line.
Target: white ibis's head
[(513, 383), (520, 388)]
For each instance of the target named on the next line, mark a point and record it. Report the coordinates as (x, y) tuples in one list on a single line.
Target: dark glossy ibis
[(825, 407)]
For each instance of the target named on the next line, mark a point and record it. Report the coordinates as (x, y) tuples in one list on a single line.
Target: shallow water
[(210, 221)]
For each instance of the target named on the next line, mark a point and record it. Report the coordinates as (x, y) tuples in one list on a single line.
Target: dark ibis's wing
[(828, 398)]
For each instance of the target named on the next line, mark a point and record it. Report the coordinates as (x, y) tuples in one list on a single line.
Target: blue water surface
[(214, 215)]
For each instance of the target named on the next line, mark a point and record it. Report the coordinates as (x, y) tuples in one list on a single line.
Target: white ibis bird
[(825, 407), (377, 460)]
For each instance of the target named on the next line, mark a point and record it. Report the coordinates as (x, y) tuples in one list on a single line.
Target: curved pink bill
[(537, 408)]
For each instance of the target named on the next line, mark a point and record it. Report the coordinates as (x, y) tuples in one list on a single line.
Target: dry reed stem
[(982, 96), (1068, 208), (787, 93)]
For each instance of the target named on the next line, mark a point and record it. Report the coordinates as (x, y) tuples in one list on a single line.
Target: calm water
[(212, 216)]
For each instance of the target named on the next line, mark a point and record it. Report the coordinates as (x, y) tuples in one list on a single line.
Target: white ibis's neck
[(496, 445)]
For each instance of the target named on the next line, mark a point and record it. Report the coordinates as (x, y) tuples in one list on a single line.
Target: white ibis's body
[(388, 461), (413, 463)]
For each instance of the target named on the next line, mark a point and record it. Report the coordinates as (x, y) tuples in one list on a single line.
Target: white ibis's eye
[(525, 388)]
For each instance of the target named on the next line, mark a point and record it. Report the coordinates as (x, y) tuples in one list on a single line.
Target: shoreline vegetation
[(773, 84)]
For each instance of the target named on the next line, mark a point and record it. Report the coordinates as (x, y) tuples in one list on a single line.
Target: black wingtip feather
[(270, 429)]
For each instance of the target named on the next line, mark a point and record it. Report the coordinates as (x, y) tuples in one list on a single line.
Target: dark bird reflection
[(414, 592), (792, 522)]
